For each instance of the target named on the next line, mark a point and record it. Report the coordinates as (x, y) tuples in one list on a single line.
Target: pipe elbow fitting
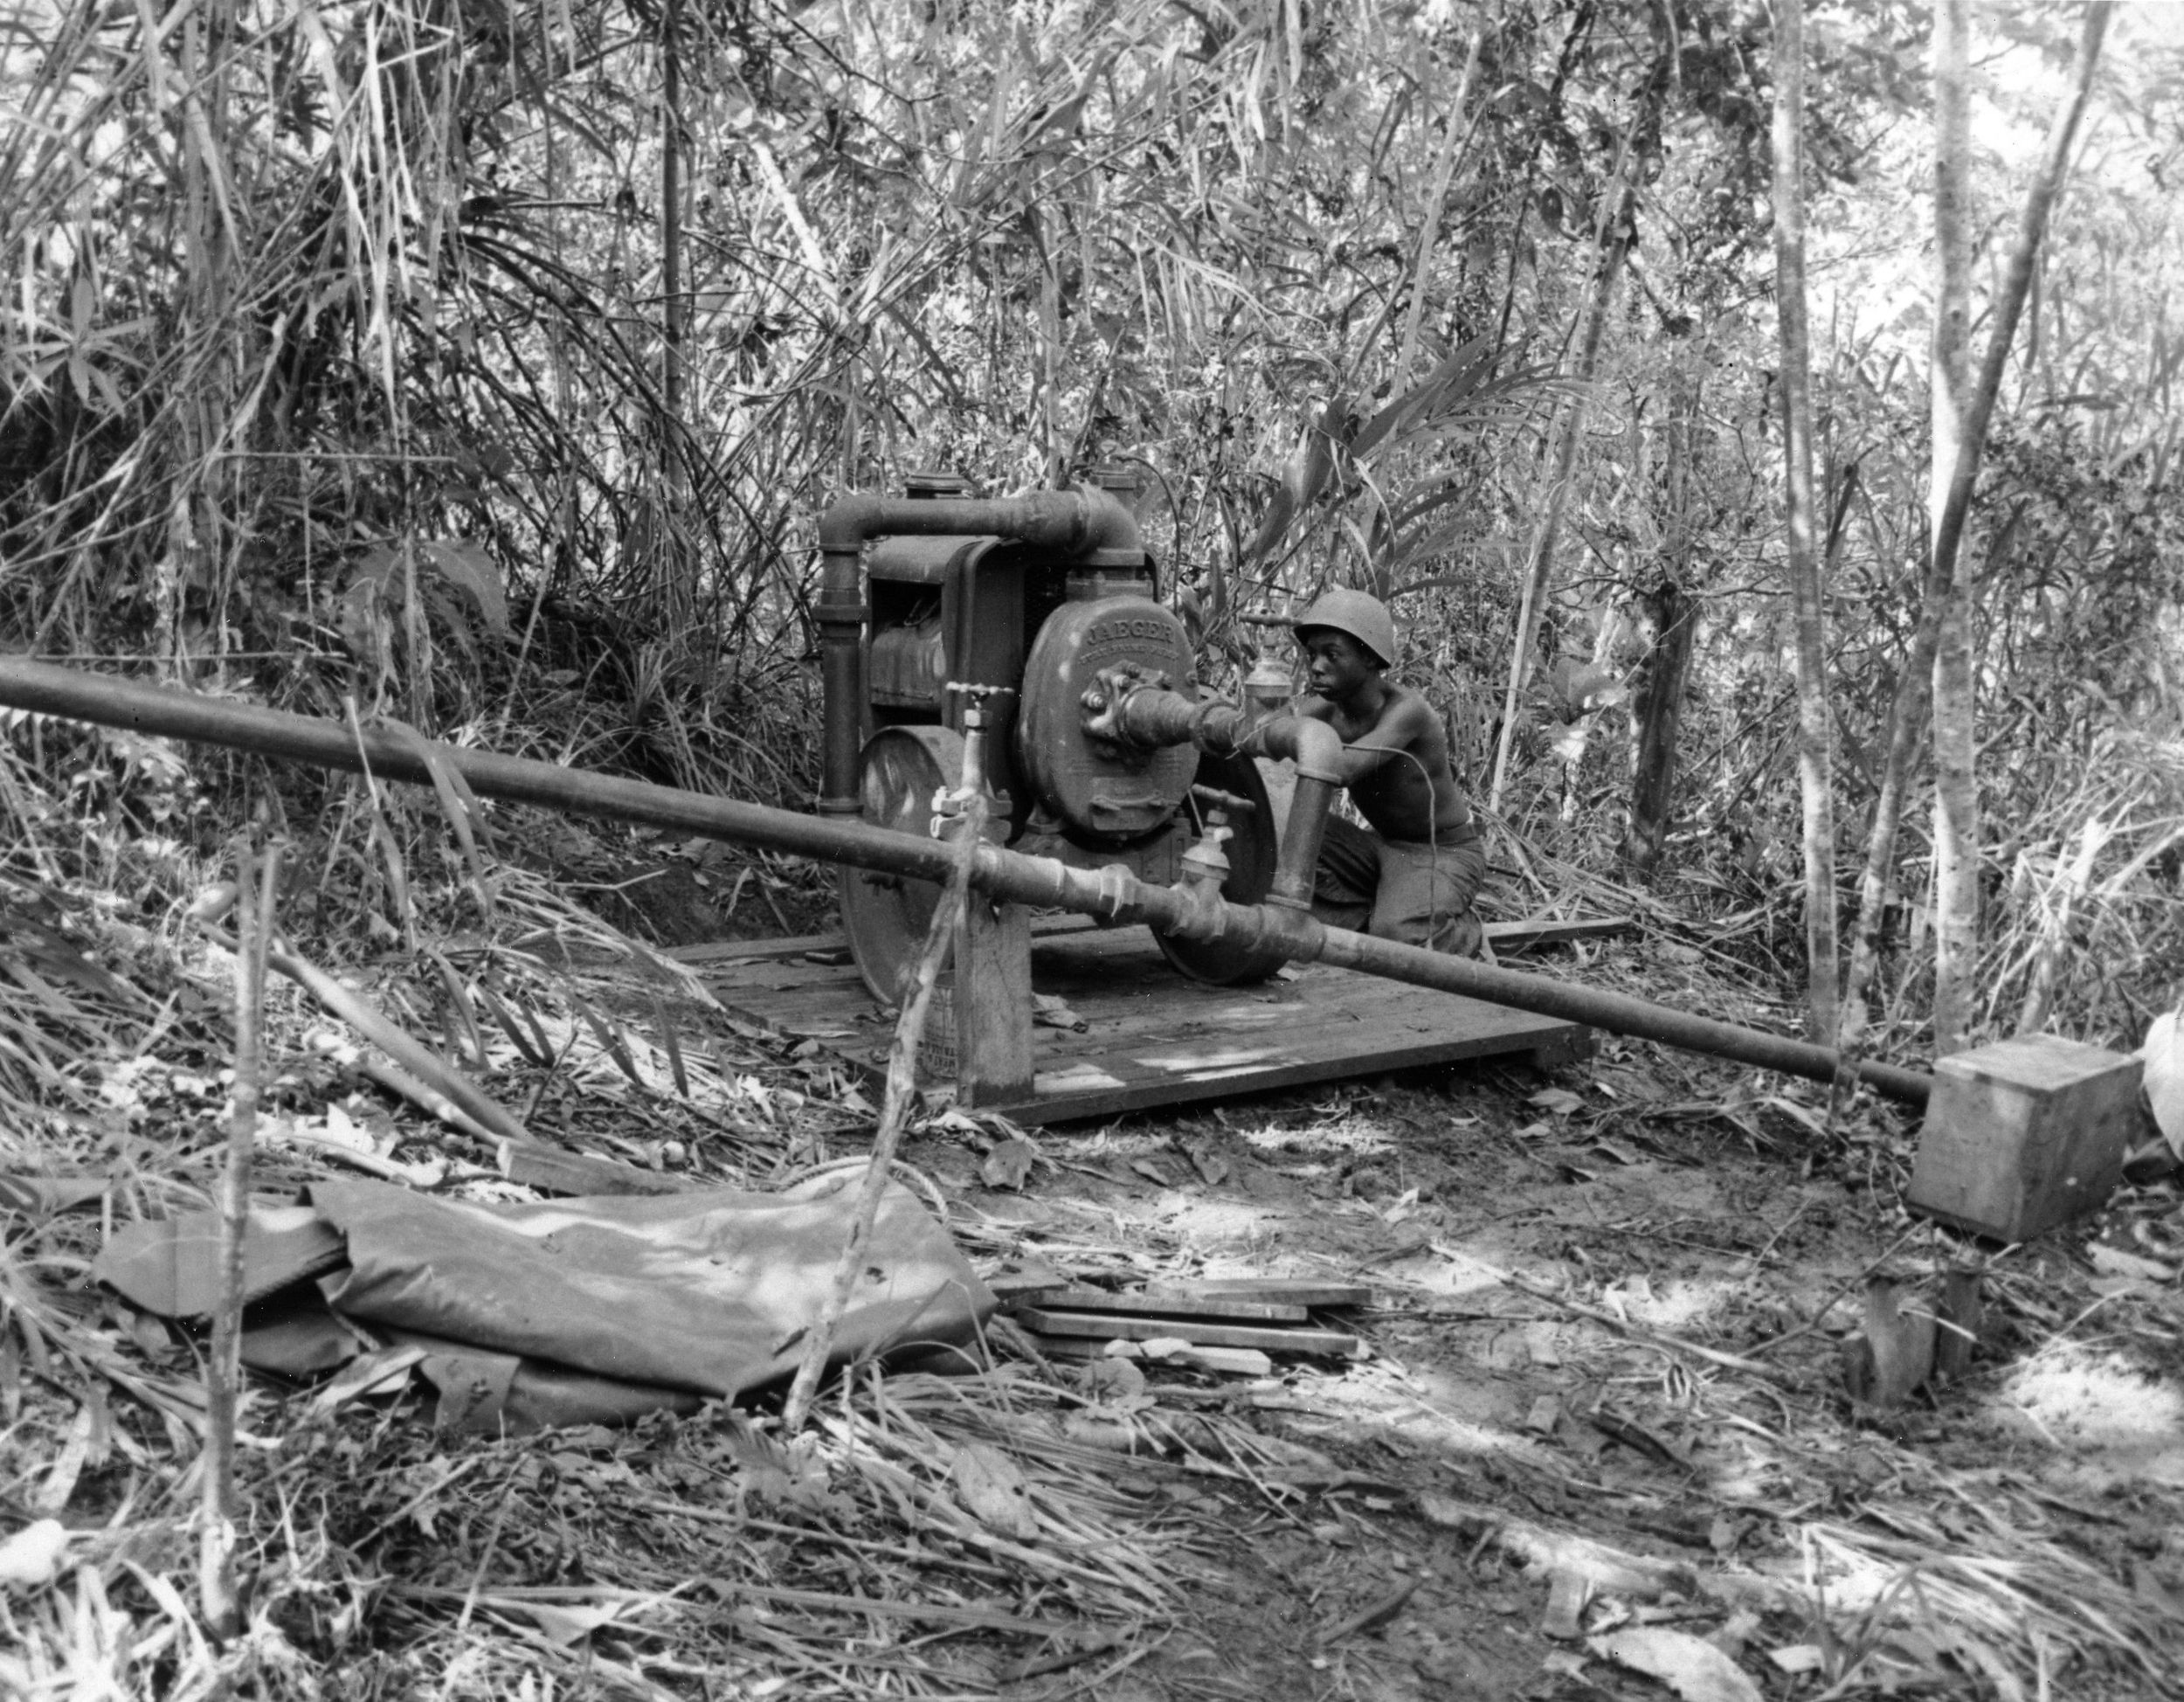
[(847, 521), (1313, 745), (1110, 537)]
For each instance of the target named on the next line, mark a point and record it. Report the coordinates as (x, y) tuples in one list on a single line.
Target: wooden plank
[(789, 947), (992, 1003), (1149, 1304), (1115, 1079), (751, 951), (1228, 1361), (1154, 1038), (1521, 935), (1293, 1291), (1326, 1344)]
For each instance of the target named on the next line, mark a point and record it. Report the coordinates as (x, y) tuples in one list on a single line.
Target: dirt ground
[(1616, 1301), (1601, 1442)]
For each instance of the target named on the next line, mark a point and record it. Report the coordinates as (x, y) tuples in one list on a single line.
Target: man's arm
[(1403, 725)]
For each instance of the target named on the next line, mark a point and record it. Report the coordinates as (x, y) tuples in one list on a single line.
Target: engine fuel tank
[(1099, 794)]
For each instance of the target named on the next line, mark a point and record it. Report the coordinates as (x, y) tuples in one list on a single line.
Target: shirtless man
[(1414, 877)]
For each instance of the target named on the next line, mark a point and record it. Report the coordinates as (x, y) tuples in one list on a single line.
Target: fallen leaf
[(1009, 1162), (1735, 1632), (1151, 1172), (1568, 1590), (2164, 1078), (1212, 1167), (1560, 1101), (45, 1194), (1690, 1666), (1050, 1010), (382, 1372), (993, 1490), (564, 1624), (1811, 1121), (32, 1555), (1112, 1379), (2114, 1262)]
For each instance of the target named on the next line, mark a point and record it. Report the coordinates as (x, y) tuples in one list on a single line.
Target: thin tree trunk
[(674, 591), (1956, 791), (1660, 711), (1615, 234), (1913, 685), (1813, 741)]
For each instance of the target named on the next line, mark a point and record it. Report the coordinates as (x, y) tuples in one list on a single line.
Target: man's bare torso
[(1396, 765)]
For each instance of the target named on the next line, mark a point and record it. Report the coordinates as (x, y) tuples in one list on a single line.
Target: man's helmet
[(1363, 618)]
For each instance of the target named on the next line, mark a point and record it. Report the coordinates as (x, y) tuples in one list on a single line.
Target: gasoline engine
[(1045, 610)]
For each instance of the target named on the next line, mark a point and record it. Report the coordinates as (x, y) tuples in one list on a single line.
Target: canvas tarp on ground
[(567, 1310)]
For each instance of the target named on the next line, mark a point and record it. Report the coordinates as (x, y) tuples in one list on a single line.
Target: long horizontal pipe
[(1112, 893)]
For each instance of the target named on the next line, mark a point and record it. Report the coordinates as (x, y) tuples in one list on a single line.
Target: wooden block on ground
[(2023, 1135), (1149, 1304), (1331, 1343)]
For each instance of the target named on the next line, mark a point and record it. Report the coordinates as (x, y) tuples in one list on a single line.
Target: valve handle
[(1215, 798)]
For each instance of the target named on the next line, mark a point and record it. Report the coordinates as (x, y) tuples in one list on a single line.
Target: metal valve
[(1206, 864), (951, 804), (1269, 685)]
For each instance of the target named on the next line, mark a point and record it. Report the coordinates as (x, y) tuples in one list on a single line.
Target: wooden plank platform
[(1506, 937), (1154, 1037)]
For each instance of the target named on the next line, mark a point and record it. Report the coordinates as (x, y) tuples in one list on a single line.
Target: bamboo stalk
[(969, 830), (1913, 697), (1612, 245), (1802, 564), (216, 1591)]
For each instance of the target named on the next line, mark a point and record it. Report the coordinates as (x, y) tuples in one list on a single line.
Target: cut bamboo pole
[(968, 830), (216, 1591)]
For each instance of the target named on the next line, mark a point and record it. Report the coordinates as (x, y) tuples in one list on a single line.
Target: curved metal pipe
[(1112, 893), (1085, 521), (1156, 718)]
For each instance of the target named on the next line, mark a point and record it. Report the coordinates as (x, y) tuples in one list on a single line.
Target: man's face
[(1336, 664)]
